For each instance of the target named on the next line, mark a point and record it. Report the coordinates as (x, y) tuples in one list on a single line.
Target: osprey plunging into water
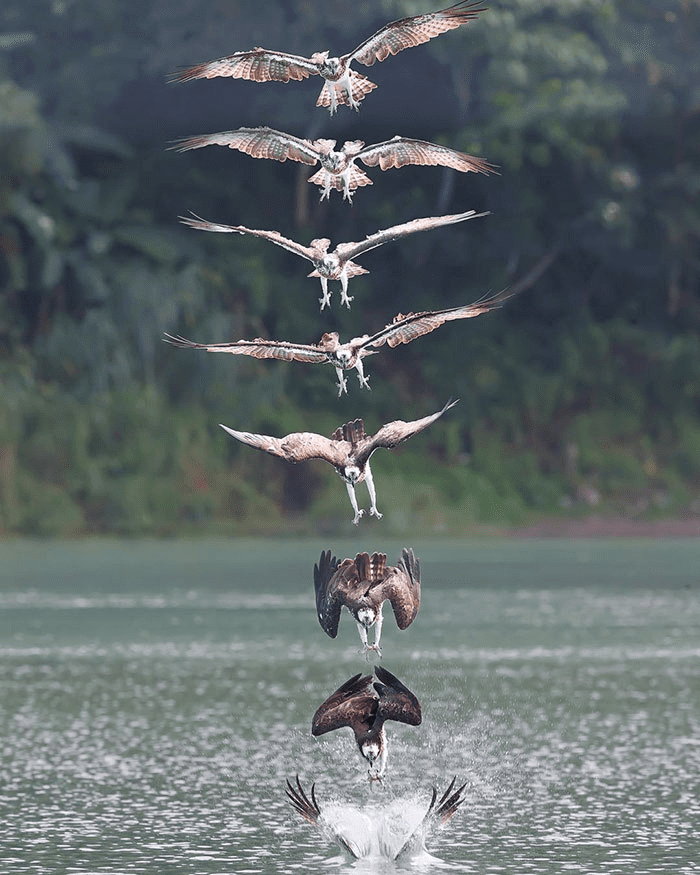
[(342, 84), (338, 168), (348, 449), (362, 585), (338, 264), (364, 706)]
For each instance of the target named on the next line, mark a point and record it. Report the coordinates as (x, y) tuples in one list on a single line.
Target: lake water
[(154, 697)]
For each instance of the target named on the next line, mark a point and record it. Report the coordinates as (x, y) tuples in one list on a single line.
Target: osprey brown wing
[(260, 142), (396, 701), (393, 433), (273, 236), (258, 348), (400, 151), (404, 33), (404, 329), (347, 251), (402, 588), (352, 704), (328, 604), (260, 65), (296, 447)]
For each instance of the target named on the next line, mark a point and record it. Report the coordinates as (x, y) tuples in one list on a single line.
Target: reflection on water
[(154, 698)]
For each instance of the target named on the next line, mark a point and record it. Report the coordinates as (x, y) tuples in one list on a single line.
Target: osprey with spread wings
[(342, 84)]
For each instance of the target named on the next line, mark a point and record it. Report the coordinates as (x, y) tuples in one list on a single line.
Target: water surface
[(154, 696)]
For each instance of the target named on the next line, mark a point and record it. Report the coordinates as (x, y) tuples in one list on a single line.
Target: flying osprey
[(338, 168), (390, 832), (344, 356), (348, 449), (338, 264), (363, 584), (364, 707), (342, 85)]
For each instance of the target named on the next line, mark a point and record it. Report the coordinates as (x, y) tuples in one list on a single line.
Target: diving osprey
[(362, 585), (338, 264), (364, 707), (348, 449), (338, 168), (342, 84), (380, 833), (344, 356)]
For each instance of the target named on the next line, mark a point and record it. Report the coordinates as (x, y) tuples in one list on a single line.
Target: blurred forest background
[(580, 394)]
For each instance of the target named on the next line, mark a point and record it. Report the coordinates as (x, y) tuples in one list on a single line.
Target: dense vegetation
[(581, 392)]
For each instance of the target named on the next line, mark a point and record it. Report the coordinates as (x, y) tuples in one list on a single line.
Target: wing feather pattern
[(260, 142), (260, 65), (396, 701), (404, 329), (346, 251), (258, 348), (350, 705), (400, 151), (402, 588), (273, 236), (404, 33), (393, 433), (296, 447)]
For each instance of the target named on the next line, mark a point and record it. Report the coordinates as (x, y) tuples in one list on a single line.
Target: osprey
[(342, 84), (362, 834), (364, 707), (338, 168), (348, 449), (362, 585), (338, 264), (343, 356)]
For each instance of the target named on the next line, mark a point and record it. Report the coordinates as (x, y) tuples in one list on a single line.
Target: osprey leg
[(344, 299), (325, 301), (353, 501), (364, 381), (372, 494), (342, 382)]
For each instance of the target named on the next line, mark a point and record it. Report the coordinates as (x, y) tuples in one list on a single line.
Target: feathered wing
[(404, 33), (393, 433), (300, 801), (404, 329), (396, 701), (261, 142), (258, 348), (352, 704), (347, 251), (259, 65), (273, 236), (328, 605), (402, 589), (400, 151), (296, 447)]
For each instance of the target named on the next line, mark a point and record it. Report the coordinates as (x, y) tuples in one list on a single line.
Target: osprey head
[(374, 752), (328, 265), (351, 474), (343, 357), (328, 67), (367, 616)]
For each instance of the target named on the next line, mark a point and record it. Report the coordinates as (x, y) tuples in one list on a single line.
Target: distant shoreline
[(608, 527)]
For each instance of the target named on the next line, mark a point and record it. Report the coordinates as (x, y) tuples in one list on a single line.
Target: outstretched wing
[(328, 605), (260, 65), (396, 701), (393, 433), (347, 251), (400, 151), (350, 705), (274, 236), (296, 447), (404, 33), (404, 329), (258, 348), (401, 587), (308, 808), (258, 143)]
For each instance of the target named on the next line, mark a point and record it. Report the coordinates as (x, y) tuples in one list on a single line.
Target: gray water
[(154, 697)]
